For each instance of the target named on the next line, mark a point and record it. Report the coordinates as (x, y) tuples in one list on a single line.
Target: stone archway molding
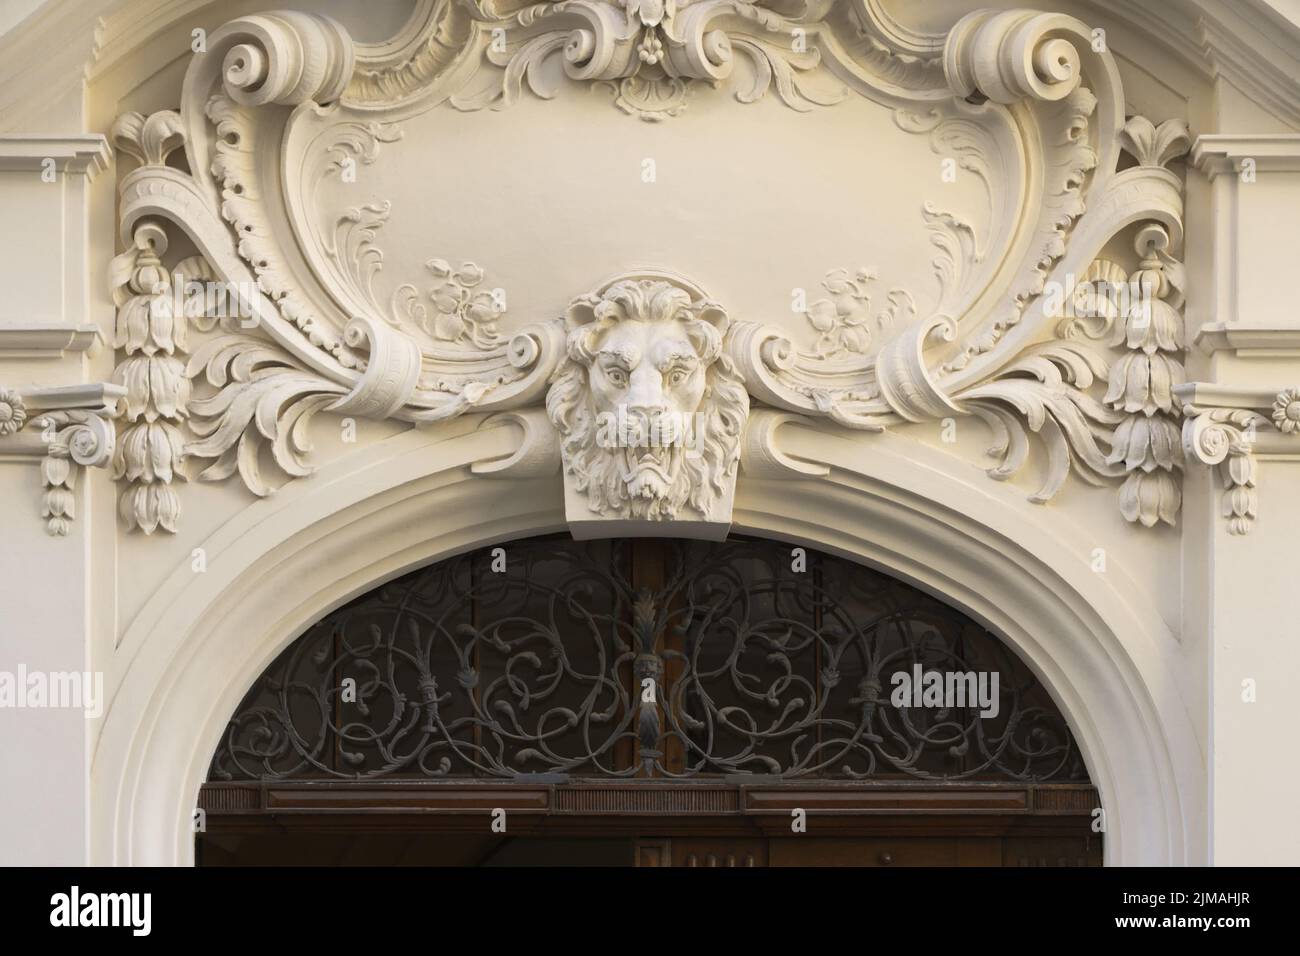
[(198, 644)]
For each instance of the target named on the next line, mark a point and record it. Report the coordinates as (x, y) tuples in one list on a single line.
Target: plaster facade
[(994, 299)]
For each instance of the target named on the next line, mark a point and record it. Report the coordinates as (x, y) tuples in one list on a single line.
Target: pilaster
[(1243, 426)]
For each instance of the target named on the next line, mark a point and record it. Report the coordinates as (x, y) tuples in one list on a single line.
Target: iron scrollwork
[(733, 663)]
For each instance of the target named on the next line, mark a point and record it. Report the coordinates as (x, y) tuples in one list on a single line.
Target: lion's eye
[(616, 375), (677, 376)]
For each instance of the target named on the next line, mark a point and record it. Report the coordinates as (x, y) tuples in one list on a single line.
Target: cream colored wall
[(1186, 613), (49, 598), (1254, 639), (1237, 587)]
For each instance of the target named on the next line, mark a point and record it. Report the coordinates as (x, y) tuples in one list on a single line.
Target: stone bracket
[(1227, 426), (67, 428)]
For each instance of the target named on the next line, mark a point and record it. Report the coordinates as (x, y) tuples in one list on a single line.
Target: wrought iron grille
[(640, 659)]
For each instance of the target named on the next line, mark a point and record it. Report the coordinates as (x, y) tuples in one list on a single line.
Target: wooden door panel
[(696, 851), (1051, 851), (654, 852), (709, 852), (685, 847), (853, 851), (705, 852)]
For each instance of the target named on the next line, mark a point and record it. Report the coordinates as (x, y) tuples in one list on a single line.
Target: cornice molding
[(1261, 60), (1218, 153), (47, 54), (1249, 340), (1246, 43), (42, 340), (87, 154)]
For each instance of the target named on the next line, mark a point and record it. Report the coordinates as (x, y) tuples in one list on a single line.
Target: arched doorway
[(189, 656), (649, 702)]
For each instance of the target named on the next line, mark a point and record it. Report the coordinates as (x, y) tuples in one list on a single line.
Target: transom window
[(548, 657)]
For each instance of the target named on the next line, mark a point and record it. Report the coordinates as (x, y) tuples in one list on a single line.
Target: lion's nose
[(646, 395)]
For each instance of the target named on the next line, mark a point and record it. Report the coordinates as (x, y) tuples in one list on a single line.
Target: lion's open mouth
[(647, 471)]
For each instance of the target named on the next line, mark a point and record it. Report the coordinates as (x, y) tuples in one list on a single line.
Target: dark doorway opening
[(646, 702)]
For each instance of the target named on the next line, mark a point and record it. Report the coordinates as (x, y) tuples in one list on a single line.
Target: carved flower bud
[(1242, 469), (59, 508), (1146, 443), (150, 323), (149, 507), (56, 467), (1239, 508), (150, 277), (156, 385), (1142, 382), (149, 451), (1150, 325), (1148, 497)]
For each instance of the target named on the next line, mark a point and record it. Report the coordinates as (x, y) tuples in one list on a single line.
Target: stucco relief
[(649, 407), (1225, 428), (651, 53), (69, 428), (1019, 101)]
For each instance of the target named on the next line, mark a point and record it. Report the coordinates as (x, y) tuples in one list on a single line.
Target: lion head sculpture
[(648, 406)]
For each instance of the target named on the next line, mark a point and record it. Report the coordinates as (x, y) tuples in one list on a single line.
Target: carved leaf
[(1053, 405), (150, 140), (264, 400), (1153, 145)]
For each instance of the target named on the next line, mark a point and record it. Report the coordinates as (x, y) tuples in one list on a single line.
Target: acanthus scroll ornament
[(1018, 99), (1011, 55), (652, 52)]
